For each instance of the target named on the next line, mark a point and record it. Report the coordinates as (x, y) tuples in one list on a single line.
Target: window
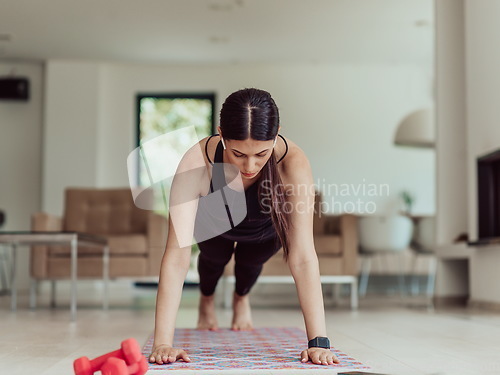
[(161, 114)]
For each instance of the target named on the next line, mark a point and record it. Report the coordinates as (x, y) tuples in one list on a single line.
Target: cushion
[(131, 244), (103, 212), (328, 244), (91, 267)]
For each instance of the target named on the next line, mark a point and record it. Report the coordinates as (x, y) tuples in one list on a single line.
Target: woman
[(275, 178)]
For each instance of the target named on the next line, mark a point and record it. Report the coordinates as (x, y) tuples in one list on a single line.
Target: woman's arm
[(174, 267), (183, 205), (303, 261)]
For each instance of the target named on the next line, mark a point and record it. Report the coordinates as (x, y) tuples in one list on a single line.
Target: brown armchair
[(336, 245), (136, 237)]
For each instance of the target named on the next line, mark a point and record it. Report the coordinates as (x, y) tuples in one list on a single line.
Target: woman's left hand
[(320, 356)]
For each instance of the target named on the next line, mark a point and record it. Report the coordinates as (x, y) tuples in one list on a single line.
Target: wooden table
[(29, 238)]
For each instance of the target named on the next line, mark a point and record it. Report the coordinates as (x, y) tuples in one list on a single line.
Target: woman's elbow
[(299, 263), (176, 259)]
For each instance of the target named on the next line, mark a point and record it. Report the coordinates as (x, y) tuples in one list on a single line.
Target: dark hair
[(252, 113)]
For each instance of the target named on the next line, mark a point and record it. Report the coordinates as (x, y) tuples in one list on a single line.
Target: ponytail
[(276, 195)]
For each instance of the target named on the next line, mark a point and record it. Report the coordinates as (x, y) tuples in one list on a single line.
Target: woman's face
[(249, 156)]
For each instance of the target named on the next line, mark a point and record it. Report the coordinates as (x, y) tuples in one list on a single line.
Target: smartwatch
[(319, 342)]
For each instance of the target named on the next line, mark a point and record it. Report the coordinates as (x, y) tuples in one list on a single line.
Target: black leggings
[(249, 259)]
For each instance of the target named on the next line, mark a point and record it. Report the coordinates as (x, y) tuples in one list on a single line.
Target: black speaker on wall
[(14, 89)]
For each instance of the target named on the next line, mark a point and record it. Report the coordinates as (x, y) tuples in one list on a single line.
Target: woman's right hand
[(166, 354)]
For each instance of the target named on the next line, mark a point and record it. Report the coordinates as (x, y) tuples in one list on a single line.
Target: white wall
[(71, 137), (483, 129), (344, 117), (20, 156)]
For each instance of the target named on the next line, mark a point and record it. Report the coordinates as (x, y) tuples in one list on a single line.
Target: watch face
[(320, 342), (324, 342)]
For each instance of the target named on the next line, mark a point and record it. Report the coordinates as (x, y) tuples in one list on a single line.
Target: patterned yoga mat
[(232, 351)]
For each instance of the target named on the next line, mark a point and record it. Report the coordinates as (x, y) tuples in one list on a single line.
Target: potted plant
[(408, 200)]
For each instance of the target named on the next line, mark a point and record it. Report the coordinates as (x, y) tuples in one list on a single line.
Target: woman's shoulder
[(196, 164), (208, 146), (199, 154), (293, 155), (294, 163)]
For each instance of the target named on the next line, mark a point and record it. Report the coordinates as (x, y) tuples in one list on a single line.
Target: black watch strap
[(319, 342)]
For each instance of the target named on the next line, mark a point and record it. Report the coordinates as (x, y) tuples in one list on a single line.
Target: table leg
[(365, 274), (53, 293), (13, 282), (74, 265), (336, 293), (431, 282), (4, 261), (226, 292), (33, 286), (105, 276), (354, 293), (401, 276)]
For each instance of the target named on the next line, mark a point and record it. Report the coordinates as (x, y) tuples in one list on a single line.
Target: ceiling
[(219, 31)]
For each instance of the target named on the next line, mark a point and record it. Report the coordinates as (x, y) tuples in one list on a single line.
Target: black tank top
[(255, 226)]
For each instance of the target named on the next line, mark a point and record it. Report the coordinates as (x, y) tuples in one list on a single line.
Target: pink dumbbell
[(130, 352), (115, 366)]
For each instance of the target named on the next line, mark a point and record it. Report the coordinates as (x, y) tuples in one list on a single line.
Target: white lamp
[(417, 129)]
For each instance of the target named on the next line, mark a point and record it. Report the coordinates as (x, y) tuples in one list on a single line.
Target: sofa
[(136, 237)]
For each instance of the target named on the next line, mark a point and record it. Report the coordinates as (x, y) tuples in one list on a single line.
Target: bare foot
[(207, 320), (242, 317)]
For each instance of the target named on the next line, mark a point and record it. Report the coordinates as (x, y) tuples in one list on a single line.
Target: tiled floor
[(385, 333)]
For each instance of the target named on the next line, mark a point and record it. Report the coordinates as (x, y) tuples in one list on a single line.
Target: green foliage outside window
[(161, 114)]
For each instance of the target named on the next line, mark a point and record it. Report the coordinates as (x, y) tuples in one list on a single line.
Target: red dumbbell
[(130, 351), (115, 366)]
